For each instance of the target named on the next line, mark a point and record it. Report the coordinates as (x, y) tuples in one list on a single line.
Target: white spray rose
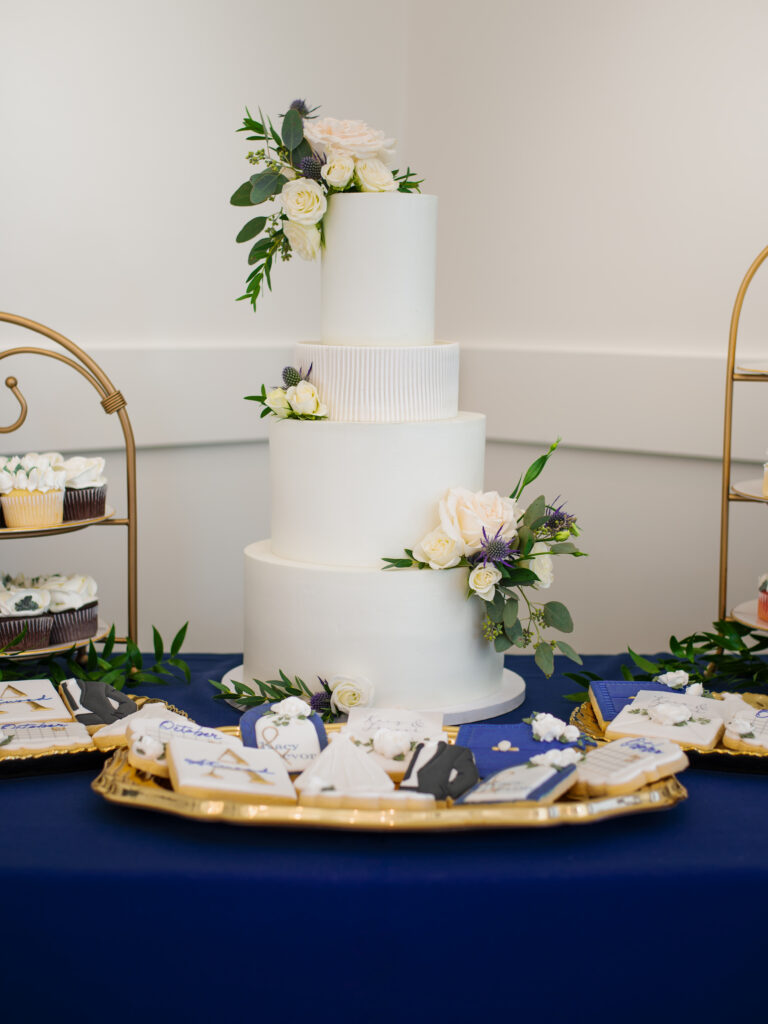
[(670, 714), (695, 690), (304, 239), (338, 170), (570, 734), (741, 726), (350, 693), (373, 176), (304, 399), (292, 707), (675, 680), (483, 580), (439, 550), (391, 742), (464, 515), (277, 401), (546, 727), (557, 758), (328, 135), (303, 201), (540, 562)]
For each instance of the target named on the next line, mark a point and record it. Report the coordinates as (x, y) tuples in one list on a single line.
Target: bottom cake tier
[(412, 634)]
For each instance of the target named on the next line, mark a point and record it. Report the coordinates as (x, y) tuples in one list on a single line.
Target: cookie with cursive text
[(228, 771), (679, 717), (32, 700), (626, 765), (95, 704), (390, 735), (148, 740), (443, 770), (26, 738), (116, 734), (609, 696), (289, 727), (744, 732), (530, 783)]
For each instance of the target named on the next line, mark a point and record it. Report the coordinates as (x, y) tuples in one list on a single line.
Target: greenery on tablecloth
[(726, 658)]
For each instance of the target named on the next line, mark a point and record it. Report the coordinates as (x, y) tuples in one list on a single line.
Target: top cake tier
[(378, 269)]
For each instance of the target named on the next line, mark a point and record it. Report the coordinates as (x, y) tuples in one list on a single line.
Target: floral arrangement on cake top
[(307, 161), (296, 399), (507, 550)]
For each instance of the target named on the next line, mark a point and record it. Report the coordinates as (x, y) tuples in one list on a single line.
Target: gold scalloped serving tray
[(585, 719), (50, 758), (122, 784)]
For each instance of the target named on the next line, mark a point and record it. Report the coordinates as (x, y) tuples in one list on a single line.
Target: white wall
[(600, 172)]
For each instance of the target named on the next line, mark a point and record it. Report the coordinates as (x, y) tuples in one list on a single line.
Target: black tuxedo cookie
[(441, 769), (95, 704)]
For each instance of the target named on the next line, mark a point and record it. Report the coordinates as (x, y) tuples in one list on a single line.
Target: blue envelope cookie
[(289, 727), (496, 747)]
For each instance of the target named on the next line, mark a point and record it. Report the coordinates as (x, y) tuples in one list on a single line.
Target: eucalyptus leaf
[(252, 228), (568, 651), (535, 510), (298, 153), (545, 658), (509, 616), (293, 129), (564, 547), (502, 643), (265, 185), (242, 195), (557, 616)]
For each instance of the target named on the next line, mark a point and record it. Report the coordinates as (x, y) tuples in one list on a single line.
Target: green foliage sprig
[(728, 657), (271, 691)]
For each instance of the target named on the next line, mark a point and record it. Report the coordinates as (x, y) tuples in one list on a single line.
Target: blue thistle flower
[(320, 702), (557, 520), (310, 167), (495, 549), (303, 109)]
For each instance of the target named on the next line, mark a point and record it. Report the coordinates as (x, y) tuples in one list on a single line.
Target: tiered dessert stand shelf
[(112, 401), (746, 490)]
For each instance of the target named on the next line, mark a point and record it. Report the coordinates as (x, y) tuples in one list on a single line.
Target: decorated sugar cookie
[(679, 717), (95, 704), (20, 738), (116, 734), (289, 727), (32, 700), (497, 746), (747, 733), (148, 740), (626, 765), (342, 767), (396, 800), (228, 771), (390, 735), (609, 696), (443, 770), (536, 783)]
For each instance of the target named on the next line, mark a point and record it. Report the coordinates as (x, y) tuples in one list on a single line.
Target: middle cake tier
[(350, 494)]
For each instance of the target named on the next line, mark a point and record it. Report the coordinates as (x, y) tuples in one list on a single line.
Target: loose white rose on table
[(675, 680), (483, 580), (303, 201), (304, 400), (373, 176), (464, 515), (277, 401), (541, 563), (339, 170), (439, 550), (304, 239), (327, 135), (349, 693)]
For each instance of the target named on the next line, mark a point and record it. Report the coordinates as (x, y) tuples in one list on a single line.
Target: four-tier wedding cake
[(366, 482)]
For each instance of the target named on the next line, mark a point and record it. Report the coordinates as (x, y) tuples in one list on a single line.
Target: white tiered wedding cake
[(365, 483)]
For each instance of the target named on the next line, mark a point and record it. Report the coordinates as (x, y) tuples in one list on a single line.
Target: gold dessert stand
[(112, 401)]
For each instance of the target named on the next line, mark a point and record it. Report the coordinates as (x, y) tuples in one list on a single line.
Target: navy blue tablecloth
[(108, 912)]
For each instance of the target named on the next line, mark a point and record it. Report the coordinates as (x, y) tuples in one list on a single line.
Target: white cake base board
[(509, 696)]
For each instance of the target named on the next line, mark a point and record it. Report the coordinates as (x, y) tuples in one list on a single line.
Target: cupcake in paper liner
[(31, 492), (762, 598), (85, 496), (25, 608), (74, 608)]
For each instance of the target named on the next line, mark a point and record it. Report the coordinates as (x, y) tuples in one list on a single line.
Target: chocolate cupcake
[(85, 496), (20, 609), (74, 608)]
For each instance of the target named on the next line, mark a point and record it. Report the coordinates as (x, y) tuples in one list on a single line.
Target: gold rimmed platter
[(68, 527), (120, 783), (720, 757), (57, 759)]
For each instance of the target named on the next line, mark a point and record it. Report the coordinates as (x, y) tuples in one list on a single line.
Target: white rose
[(303, 201), (464, 515), (570, 734), (670, 714), (741, 726), (338, 170), (439, 550), (391, 742), (292, 707), (349, 693), (276, 401), (304, 399), (328, 135), (483, 580), (373, 176), (557, 758), (674, 680), (695, 689), (305, 240), (540, 562), (546, 727)]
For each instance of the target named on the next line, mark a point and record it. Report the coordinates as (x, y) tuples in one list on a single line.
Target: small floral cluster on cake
[(303, 164), (45, 489), (507, 549), (47, 610), (296, 399)]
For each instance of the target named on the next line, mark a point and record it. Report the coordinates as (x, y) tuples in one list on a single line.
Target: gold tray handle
[(13, 386)]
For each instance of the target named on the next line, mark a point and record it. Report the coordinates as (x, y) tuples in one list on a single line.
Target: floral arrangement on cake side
[(295, 399), (507, 550), (301, 166)]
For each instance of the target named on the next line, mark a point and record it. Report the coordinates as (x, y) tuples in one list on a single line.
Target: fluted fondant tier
[(412, 634), (354, 493), (378, 269), (384, 385)]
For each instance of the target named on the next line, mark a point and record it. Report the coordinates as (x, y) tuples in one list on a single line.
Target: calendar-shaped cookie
[(747, 733), (23, 738), (32, 700), (679, 717), (626, 765)]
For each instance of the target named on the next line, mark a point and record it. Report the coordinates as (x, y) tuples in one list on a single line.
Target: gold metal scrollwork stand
[(112, 402)]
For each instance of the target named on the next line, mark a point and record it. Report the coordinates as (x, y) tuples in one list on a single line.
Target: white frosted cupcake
[(31, 492), (85, 496), (73, 606), (20, 609)]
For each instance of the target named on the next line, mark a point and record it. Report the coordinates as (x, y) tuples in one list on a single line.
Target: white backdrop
[(600, 168)]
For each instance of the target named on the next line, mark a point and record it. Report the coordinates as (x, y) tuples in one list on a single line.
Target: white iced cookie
[(537, 783), (148, 739), (115, 735), (680, 717), (747, 732), (343, 768), (287, 727), (32, 700), (20, 738), (396, 800), (390, 735), (229, 771), (626, 765)]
